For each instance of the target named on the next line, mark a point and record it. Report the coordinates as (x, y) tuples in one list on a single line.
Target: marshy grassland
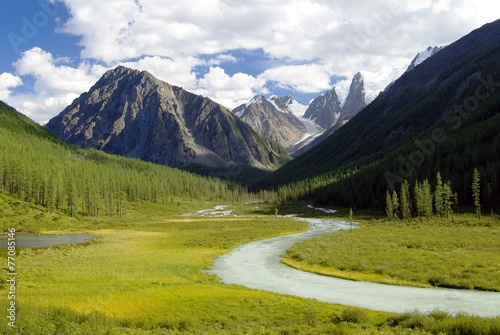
[(144, 275)]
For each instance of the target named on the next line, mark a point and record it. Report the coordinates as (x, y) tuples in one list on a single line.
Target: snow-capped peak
[(288, 104), (376, 82), (255, 100), (422, 56)]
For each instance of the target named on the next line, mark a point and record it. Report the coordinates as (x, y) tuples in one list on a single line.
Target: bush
[(354, 315)]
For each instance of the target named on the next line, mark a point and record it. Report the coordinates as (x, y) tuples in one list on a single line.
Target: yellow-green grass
[(144, 275), (463, 254), (148, 278)]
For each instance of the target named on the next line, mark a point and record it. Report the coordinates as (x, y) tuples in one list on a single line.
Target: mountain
[(442, 116), (272, 119), (422, 56), (347, 98), (335, 108), (279, 118), (44, 179), (134, 114)]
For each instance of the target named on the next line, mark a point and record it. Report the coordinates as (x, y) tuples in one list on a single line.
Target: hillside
[(443, 116), (134, 114), (38, 168)]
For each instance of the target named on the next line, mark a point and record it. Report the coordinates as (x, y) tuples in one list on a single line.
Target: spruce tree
[(405, 200), (395, 203), (388, 206), (419, 199), (447, 199), (427, 198), (476, 192), (438, 196)]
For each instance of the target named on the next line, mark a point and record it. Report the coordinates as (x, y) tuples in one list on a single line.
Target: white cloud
[(7, 82), (229, 91), (56, 85), (178, 72), (309, 78), (173, 39), (55, 78)]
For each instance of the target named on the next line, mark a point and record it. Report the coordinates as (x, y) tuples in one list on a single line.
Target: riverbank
[(464, 255)]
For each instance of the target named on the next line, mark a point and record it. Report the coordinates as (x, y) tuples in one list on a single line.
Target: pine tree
[(395, 203), (72, 205), (438, 196), (447, 199), (419, 199), (427, 198), (476, 192), (388, 206), (405, 200)]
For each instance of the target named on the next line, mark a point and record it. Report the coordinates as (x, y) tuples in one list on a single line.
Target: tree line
[(424, 202), (37, 167)]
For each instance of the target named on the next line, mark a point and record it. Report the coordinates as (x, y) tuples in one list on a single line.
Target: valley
[(374, 209)]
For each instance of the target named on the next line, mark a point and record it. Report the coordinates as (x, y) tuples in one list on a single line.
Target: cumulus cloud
[(56, 84), (227, 90), (178, 72), (309, 78), (8, 81), (52, 76)]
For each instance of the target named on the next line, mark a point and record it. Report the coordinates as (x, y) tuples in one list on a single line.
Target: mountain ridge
[(134, 114)]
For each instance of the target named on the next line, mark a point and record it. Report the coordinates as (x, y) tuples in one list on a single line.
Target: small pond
[(30, 240)]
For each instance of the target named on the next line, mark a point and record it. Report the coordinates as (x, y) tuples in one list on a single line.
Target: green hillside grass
[(38, 168)]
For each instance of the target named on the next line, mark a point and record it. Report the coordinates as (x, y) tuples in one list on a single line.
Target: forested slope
[(443, 116), (37, 167)]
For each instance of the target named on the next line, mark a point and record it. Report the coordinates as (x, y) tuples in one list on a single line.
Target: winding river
[(258, 265)]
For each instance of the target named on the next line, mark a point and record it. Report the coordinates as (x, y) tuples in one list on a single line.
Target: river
[(257, 265)]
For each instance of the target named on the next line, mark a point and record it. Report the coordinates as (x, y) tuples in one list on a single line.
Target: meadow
[(144, 275), (460, 254)]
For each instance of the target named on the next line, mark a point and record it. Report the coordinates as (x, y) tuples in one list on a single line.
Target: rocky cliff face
[(134, 114), (325, 110)]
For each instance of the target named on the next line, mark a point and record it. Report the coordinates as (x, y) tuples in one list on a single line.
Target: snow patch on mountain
[(376, 82), (422, 56)]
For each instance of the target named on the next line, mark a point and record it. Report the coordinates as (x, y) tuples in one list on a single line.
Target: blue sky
[(51, 51)]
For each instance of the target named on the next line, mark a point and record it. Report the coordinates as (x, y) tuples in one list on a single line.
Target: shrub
[(354, 315)]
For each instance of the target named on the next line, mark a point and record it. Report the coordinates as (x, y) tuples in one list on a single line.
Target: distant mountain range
[(299, 128), (134, 114)]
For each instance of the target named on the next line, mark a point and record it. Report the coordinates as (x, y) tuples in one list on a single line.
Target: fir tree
[(395, 203), (476, 192), (405, 200), (438, 196), (389, 208)]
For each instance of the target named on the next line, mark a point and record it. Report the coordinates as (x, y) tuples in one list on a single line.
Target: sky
[(51, 51)]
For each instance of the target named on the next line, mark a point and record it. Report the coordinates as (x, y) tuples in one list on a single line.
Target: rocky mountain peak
[(134, 114), (272, 118)]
